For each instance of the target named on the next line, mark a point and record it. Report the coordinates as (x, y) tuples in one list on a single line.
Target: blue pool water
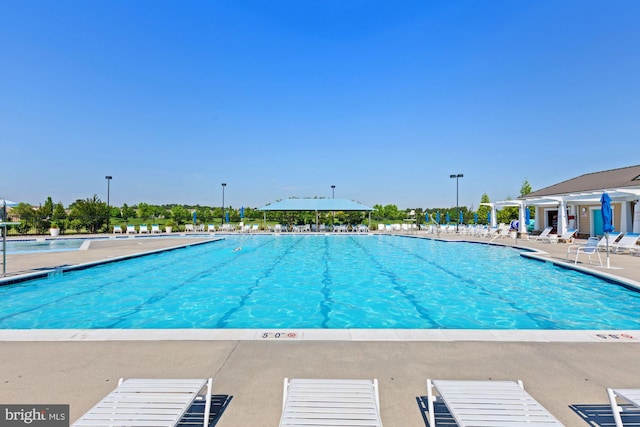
[(342, 281), (39, 245)]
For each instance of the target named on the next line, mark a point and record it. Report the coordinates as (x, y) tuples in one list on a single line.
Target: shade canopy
[(8, 203), (316, 205)]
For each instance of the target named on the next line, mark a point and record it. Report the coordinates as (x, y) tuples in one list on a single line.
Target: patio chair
[(131, 229), (148, 402), (488, 403), (143, 229), (188, 228), (542, 236), (590, 248), (117, 229), (323, 402), (630, 395), (155, 228), (211, 228), (628, 242)]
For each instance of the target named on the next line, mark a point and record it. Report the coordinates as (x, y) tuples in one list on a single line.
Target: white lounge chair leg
[(615, 408), (207, 408), (430, 400)]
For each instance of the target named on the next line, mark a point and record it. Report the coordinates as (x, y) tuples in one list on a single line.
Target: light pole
[(457, 176), (333, 191), (224, 184), (108, 178)]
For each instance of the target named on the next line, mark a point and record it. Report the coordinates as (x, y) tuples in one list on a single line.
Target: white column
[(522, 227), (626, 224), (494, 216), (636, 218), (539, 218), (562, 217)]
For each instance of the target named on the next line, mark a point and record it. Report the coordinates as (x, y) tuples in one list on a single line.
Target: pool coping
[(301, 334)]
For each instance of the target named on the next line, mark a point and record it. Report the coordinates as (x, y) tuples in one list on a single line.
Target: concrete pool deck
[(567, 376)]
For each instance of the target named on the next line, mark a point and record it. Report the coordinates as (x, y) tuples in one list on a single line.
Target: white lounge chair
[(322, 402), (602, 244), (155, 228), (488, 403), (628, 242), (590, 248), (143, 229), (542, 236), (188, 228), (148, 402), (117, 229), (131, 229), (567, 236), (211, 228)]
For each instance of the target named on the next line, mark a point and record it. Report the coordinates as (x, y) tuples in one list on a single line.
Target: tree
[(59, 217), (180, 215), (90, 213), (145, 211), (128, 212), (526, 188), (26, 214)]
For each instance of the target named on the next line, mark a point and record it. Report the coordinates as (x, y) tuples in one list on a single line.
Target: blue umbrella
[(426, 217), (527, 216), (227, 216), (447, 217), (489, 218), (194, 217), (242, 212), (607, 223), (438, 217), (461, 218), (475, 217)]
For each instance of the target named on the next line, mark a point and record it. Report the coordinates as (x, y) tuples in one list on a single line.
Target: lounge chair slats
[(489, 403), (330, 403), (147, 402)]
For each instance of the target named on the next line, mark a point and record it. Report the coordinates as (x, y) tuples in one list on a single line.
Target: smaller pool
[(42, 245)]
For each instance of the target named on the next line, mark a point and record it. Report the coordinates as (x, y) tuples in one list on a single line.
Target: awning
[(316, 205)]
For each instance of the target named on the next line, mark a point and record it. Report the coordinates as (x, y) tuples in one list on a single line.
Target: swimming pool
[(39, 245), (323, 281)]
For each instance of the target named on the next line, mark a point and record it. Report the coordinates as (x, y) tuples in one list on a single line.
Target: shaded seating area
[(330, 402), (149, 402), (488, 403)]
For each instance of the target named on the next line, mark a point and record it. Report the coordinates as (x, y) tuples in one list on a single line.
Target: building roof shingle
[(614, 178)]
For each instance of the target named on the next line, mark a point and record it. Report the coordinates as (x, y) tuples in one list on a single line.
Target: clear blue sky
[(283, 99)]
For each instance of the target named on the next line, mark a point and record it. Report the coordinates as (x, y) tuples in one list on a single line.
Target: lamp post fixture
[(333, 213), (457, 176), (224, 184), (333, 191), (108, 178)]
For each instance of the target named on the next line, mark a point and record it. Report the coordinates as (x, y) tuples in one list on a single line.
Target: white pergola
[(624, 196)]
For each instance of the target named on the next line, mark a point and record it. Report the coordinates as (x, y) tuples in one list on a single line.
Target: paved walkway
[(569, 378)]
